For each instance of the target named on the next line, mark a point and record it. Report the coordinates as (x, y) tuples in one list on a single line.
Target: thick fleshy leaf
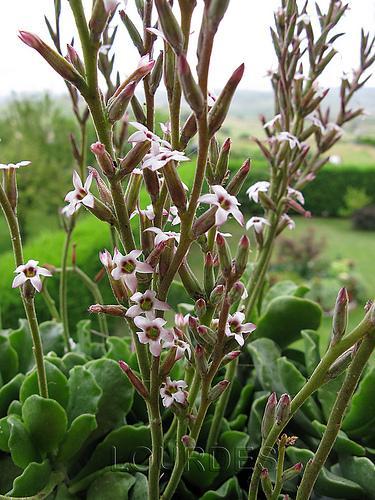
[(281, 288), (343, 444), (126, 444), (46, 421), (111, 485), (265, 353), (327, 484), (9, 472), (117, 397), (118, 349), (84, 336), (4, 434), (140, 489), (84, 393), (21, 341), (21, 447), (327, 394), (9, 392), (57, 385), (362, 406), (255, 421), (360, 470), (33, 479), (72, 359), (52, 334), (285, 318), (8, 360), (232, 452), (201, 470), (311, 350), (230, 490), (244, 401), (76, 436)]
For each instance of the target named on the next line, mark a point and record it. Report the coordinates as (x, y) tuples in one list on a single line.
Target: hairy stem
[(63, 293)]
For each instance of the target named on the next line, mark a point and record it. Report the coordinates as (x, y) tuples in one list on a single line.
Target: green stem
[(280, 468), (156, 431), (28, 302), (317, 379), (126, 233), (64, 289), (336, 417), (37, 345), (50, 303), (220, 407)]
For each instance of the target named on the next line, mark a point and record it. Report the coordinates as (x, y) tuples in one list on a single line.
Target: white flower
[(157, 33), (255, 189), (335, 159), (166, 128), (173, 216), (181, 348), (226, 203), (173, 391), (144, 134), (30, 271), (8, 166), (127, 266), (236, 328), (153, 333), (160, 156), (272, 122), (181, 321), (163, 235), (257, 223), (315, 120), (290, 224), (288, 137), (148, 212), (80, 195), (303, 18), (146, 303), (106, 259), (318, 89), (297, 195)]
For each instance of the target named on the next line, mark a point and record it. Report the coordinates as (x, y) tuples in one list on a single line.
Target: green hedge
[(325, 196)]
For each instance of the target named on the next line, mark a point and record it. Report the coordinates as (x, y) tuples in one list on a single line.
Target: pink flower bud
[(135, 381), (283, 409)]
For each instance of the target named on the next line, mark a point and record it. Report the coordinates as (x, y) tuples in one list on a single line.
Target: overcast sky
[(243, 37)]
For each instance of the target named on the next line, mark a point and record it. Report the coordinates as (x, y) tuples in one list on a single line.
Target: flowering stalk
[(317, 379), (27, 295), (336, 417)]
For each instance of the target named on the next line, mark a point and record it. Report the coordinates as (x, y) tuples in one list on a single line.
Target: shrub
[(365, 218)]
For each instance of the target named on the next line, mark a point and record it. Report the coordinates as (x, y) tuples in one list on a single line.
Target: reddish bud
[(218, 390), (269, 416), (136, 382), (340, 316), (103, 158), (283, 409)]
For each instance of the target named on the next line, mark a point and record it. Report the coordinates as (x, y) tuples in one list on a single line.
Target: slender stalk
[(156, 431), (50, 303), (317, 379), (280, 468), (63, 294), (28, 303), (221, 406), (28, 300), (336, 417)]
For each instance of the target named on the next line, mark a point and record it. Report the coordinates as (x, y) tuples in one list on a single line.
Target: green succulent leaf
[(15, 408), (33, 479), (57, 385), (230, 490), (72, 359), (21, 342), (201, 470), (140, 489), (255, 421), (327, 394), (76, 436), (111, 485), (52, 334), (117, 397), (118, 349), (84, 336), (9, 472), (311, 350), (46, 421), (8, 360), (9, 392), (360, 470), (232, 452), (126, 444), (265, 353), (343, 443), (280, 289), (285, 318), (327, 484), (4, 434), (362, 406), (21, 446), (84, 393)]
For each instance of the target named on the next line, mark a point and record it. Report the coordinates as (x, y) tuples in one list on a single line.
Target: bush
[(365, 218)]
